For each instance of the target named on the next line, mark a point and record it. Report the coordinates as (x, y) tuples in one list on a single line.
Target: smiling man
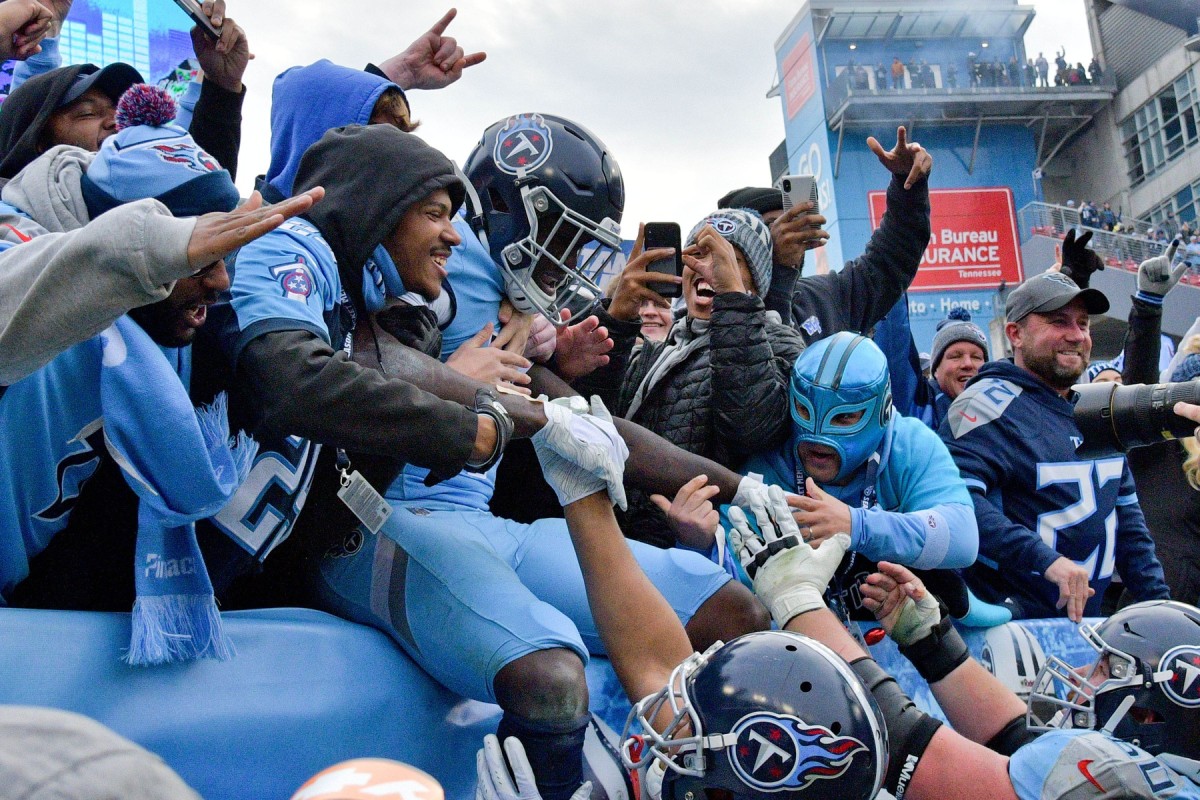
[(1053, 526)]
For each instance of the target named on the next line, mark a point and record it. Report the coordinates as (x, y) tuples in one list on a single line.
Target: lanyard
[(838, 593)]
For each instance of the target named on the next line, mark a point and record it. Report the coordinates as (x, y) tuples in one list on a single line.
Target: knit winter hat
[(1096, 367), (746, 231), (956, 327), (150, 157), (1188, 369)]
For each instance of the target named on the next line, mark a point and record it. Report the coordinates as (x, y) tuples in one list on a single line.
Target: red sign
[(799, 75), (974, 241)]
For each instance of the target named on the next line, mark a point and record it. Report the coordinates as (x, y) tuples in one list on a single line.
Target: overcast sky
[(675, 88)]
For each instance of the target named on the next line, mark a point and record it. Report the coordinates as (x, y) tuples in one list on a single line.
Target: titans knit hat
[(957, 327), (150, 157), (1048, 292), (759, 199), (746, 231), (1096, 367)]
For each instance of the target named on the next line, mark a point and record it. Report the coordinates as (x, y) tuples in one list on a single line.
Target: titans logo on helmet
[(1184, 686), (524, 143), (187, 154), (774, 752)]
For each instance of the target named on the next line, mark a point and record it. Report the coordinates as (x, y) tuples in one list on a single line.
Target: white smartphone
[(196, 12), (798, 189)]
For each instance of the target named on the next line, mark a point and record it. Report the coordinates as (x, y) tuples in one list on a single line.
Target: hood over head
[(27, 110), (371, 175), (308, 101)]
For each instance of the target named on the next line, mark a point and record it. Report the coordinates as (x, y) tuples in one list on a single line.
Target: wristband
[(1012, 737), (938, 654), (487, 405)]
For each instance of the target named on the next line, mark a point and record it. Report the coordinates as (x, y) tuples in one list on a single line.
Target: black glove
[(1078, 262), (414, 326)]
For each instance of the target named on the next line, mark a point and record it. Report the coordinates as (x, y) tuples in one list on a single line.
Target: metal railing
[(1120, 250), (842, 87)]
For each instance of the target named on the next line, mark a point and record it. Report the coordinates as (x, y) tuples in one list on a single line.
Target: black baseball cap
[(113, 80), (1048, 292), (759, 199)]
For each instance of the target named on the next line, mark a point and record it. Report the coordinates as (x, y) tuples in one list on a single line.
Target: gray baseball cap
[(1048, 292)]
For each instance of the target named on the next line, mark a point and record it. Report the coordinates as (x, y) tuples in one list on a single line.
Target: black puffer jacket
[(727, 398)]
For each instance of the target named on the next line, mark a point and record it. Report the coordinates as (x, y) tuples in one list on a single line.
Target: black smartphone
[(196, 12), (664, 234)]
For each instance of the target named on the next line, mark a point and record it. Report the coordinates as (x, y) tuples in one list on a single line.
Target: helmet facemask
[(680, 746), (558, 264)]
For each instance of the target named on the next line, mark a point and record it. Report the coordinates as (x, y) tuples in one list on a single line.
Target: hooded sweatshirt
[(1014, 438), (286, 329), (308, 101), (70, 279)]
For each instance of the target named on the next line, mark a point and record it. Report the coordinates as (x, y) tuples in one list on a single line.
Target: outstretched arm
[(645, 646)]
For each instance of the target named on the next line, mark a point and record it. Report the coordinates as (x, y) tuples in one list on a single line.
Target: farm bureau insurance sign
[(973, 243)]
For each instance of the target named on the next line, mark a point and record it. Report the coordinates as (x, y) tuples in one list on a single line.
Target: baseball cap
[(113, 80), (1050, 291), (760, 199)]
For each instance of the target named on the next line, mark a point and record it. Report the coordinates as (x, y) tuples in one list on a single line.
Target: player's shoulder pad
[(980, 403), (1086, 764)]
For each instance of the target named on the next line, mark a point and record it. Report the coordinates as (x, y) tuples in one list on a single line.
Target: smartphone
[(799, 189), (664, 234), (196, 12)]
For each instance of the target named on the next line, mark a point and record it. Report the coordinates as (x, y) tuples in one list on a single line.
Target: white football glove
[(751, 491), (1155, 275), (495, 779), (588, 441), (789, 575)]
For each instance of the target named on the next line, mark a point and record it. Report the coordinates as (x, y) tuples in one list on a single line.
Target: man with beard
[(1053, 526)]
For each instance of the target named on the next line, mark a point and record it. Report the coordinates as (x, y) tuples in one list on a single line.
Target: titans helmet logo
[(188, 155), (1184, 686), (524, 143), (774, 753)]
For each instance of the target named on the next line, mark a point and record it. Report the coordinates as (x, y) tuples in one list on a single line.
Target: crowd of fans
[(404, 349), (979, 72)]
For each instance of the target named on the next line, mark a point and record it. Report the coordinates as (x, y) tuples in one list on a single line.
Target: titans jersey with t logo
[(1089, 765)]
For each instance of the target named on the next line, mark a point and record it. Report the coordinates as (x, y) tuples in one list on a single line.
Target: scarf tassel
[(174, 628)]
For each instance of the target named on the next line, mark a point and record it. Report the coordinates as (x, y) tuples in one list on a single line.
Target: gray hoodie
[(70, 278)]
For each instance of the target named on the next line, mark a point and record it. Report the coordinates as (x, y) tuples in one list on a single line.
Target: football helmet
[(770, 714), (550, 202), (841, 374), (1144, 686)]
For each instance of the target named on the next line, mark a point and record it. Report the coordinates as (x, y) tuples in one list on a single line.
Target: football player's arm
[(977, 704), (927, 761), (655, 465), (1135, 557), (643, 638)]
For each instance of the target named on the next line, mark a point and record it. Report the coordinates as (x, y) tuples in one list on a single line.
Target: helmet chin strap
[(1118, 715)]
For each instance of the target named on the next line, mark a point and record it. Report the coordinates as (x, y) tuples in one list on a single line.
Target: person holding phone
[(717, 386)]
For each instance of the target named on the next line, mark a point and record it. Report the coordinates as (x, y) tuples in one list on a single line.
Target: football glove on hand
[(496, 771), (789, 575), (581, 453), (1155, 276)]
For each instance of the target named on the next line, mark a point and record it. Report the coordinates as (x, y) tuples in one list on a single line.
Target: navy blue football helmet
[(842, 374), (1144, 686), (550, 202), (771, 714)]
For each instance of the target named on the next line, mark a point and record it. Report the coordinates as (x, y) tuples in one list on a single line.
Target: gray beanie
[(745, 230), (957, 327)]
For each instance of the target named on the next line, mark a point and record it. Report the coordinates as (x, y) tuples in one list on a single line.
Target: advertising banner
[(974, 242)]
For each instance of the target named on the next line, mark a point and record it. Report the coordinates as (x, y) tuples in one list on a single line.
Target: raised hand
[(582, 348), (900, 602), (1078, 262), (795, 232), (691, 514), (712, 256), (586, 440), (23, 25), (433, 61), (490, 364), (223, 61), (819, 515), (631, 288), (908, 159), (1073, 588), (220, 233), (1156, 276)]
